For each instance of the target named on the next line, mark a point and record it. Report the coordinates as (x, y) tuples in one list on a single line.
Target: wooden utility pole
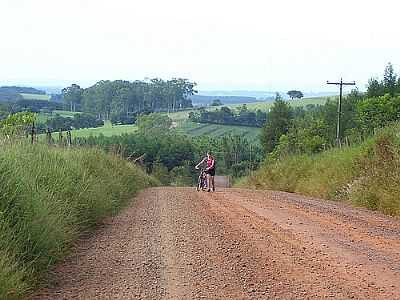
[(341, 84)]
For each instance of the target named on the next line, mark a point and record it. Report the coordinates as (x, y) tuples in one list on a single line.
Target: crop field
[(181, 116), (35, 97), (106, 130), (43, 117), (295, 103), (184, 126), (216, 130)]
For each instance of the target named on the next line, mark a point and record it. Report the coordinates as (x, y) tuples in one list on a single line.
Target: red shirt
[(210, 162)]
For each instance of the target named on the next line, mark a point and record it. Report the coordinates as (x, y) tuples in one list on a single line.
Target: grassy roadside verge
[(367, 175), (48, 196)]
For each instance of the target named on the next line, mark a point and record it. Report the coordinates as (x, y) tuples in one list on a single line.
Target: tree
[(216, 102), (154, 123), (375, 88), (16, 125), (295, 94), (72, 96), (120, 100), (389, 80), (398, 86), (377, 112), (278, 123)]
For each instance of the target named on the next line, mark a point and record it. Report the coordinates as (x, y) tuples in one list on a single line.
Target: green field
[(295, 103), (43, 117), (35, 97), (216, 130), (184, 126), (181, 116), (106, 130)]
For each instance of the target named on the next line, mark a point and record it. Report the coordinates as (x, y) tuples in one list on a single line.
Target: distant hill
[(261, 95), (17, 93), (21, 90), (51, 90)]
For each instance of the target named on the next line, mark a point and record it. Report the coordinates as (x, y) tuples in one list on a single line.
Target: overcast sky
[(220, 44)]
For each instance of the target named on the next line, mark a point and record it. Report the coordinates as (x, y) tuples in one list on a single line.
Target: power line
[(339, 113)]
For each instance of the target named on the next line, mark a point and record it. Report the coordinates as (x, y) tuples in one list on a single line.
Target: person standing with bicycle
[(210, 170)]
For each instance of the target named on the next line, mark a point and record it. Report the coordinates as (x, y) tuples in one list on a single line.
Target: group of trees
[(118, 100), (295, 94), (390, 84), (76, 122), (17, 124), (216, 102), (154, 124), (242, 116), (171, 157), (313, 128)]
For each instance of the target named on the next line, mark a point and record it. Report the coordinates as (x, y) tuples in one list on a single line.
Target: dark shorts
[(211, 172)]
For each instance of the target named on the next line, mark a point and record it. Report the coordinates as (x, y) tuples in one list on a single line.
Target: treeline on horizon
[(227, 116), (312, 129), (121, 100)]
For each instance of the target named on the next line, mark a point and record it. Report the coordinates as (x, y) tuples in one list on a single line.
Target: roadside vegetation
[(302, 154), (366, 175), (49, 196)]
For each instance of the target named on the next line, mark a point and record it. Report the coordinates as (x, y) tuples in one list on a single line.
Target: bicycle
[(202, 181)]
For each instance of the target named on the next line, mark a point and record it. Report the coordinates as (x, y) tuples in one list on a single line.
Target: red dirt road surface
[(175, 243)]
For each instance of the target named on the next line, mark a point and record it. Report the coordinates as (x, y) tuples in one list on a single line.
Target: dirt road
[(174, 243)]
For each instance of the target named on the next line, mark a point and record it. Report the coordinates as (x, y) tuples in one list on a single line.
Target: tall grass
[(367, 175), (48, 196)]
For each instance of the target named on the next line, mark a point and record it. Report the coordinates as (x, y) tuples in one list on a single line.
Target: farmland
[(217, 130), (35, 97), (183, 125), (107, 130), (43, 117), (294, 103), (181, 116)]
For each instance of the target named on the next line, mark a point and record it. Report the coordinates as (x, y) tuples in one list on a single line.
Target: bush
[(183, 175), (48, 196), (378, 185), (367, 175)]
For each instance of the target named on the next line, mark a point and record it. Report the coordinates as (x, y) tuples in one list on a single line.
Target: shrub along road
[(175, 243)]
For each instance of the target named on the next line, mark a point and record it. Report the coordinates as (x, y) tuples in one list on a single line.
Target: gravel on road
[(176, 243)]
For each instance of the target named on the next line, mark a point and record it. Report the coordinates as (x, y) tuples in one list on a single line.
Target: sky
[(220, 44)]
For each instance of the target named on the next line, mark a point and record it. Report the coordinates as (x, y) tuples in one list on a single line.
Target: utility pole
[(341, 84)]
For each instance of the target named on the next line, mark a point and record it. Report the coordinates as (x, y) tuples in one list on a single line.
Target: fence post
[(48, 136), (60, 137), (69, 138), (33, 133)]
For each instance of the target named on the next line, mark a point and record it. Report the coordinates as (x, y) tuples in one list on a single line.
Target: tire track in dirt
[(175, 243)]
